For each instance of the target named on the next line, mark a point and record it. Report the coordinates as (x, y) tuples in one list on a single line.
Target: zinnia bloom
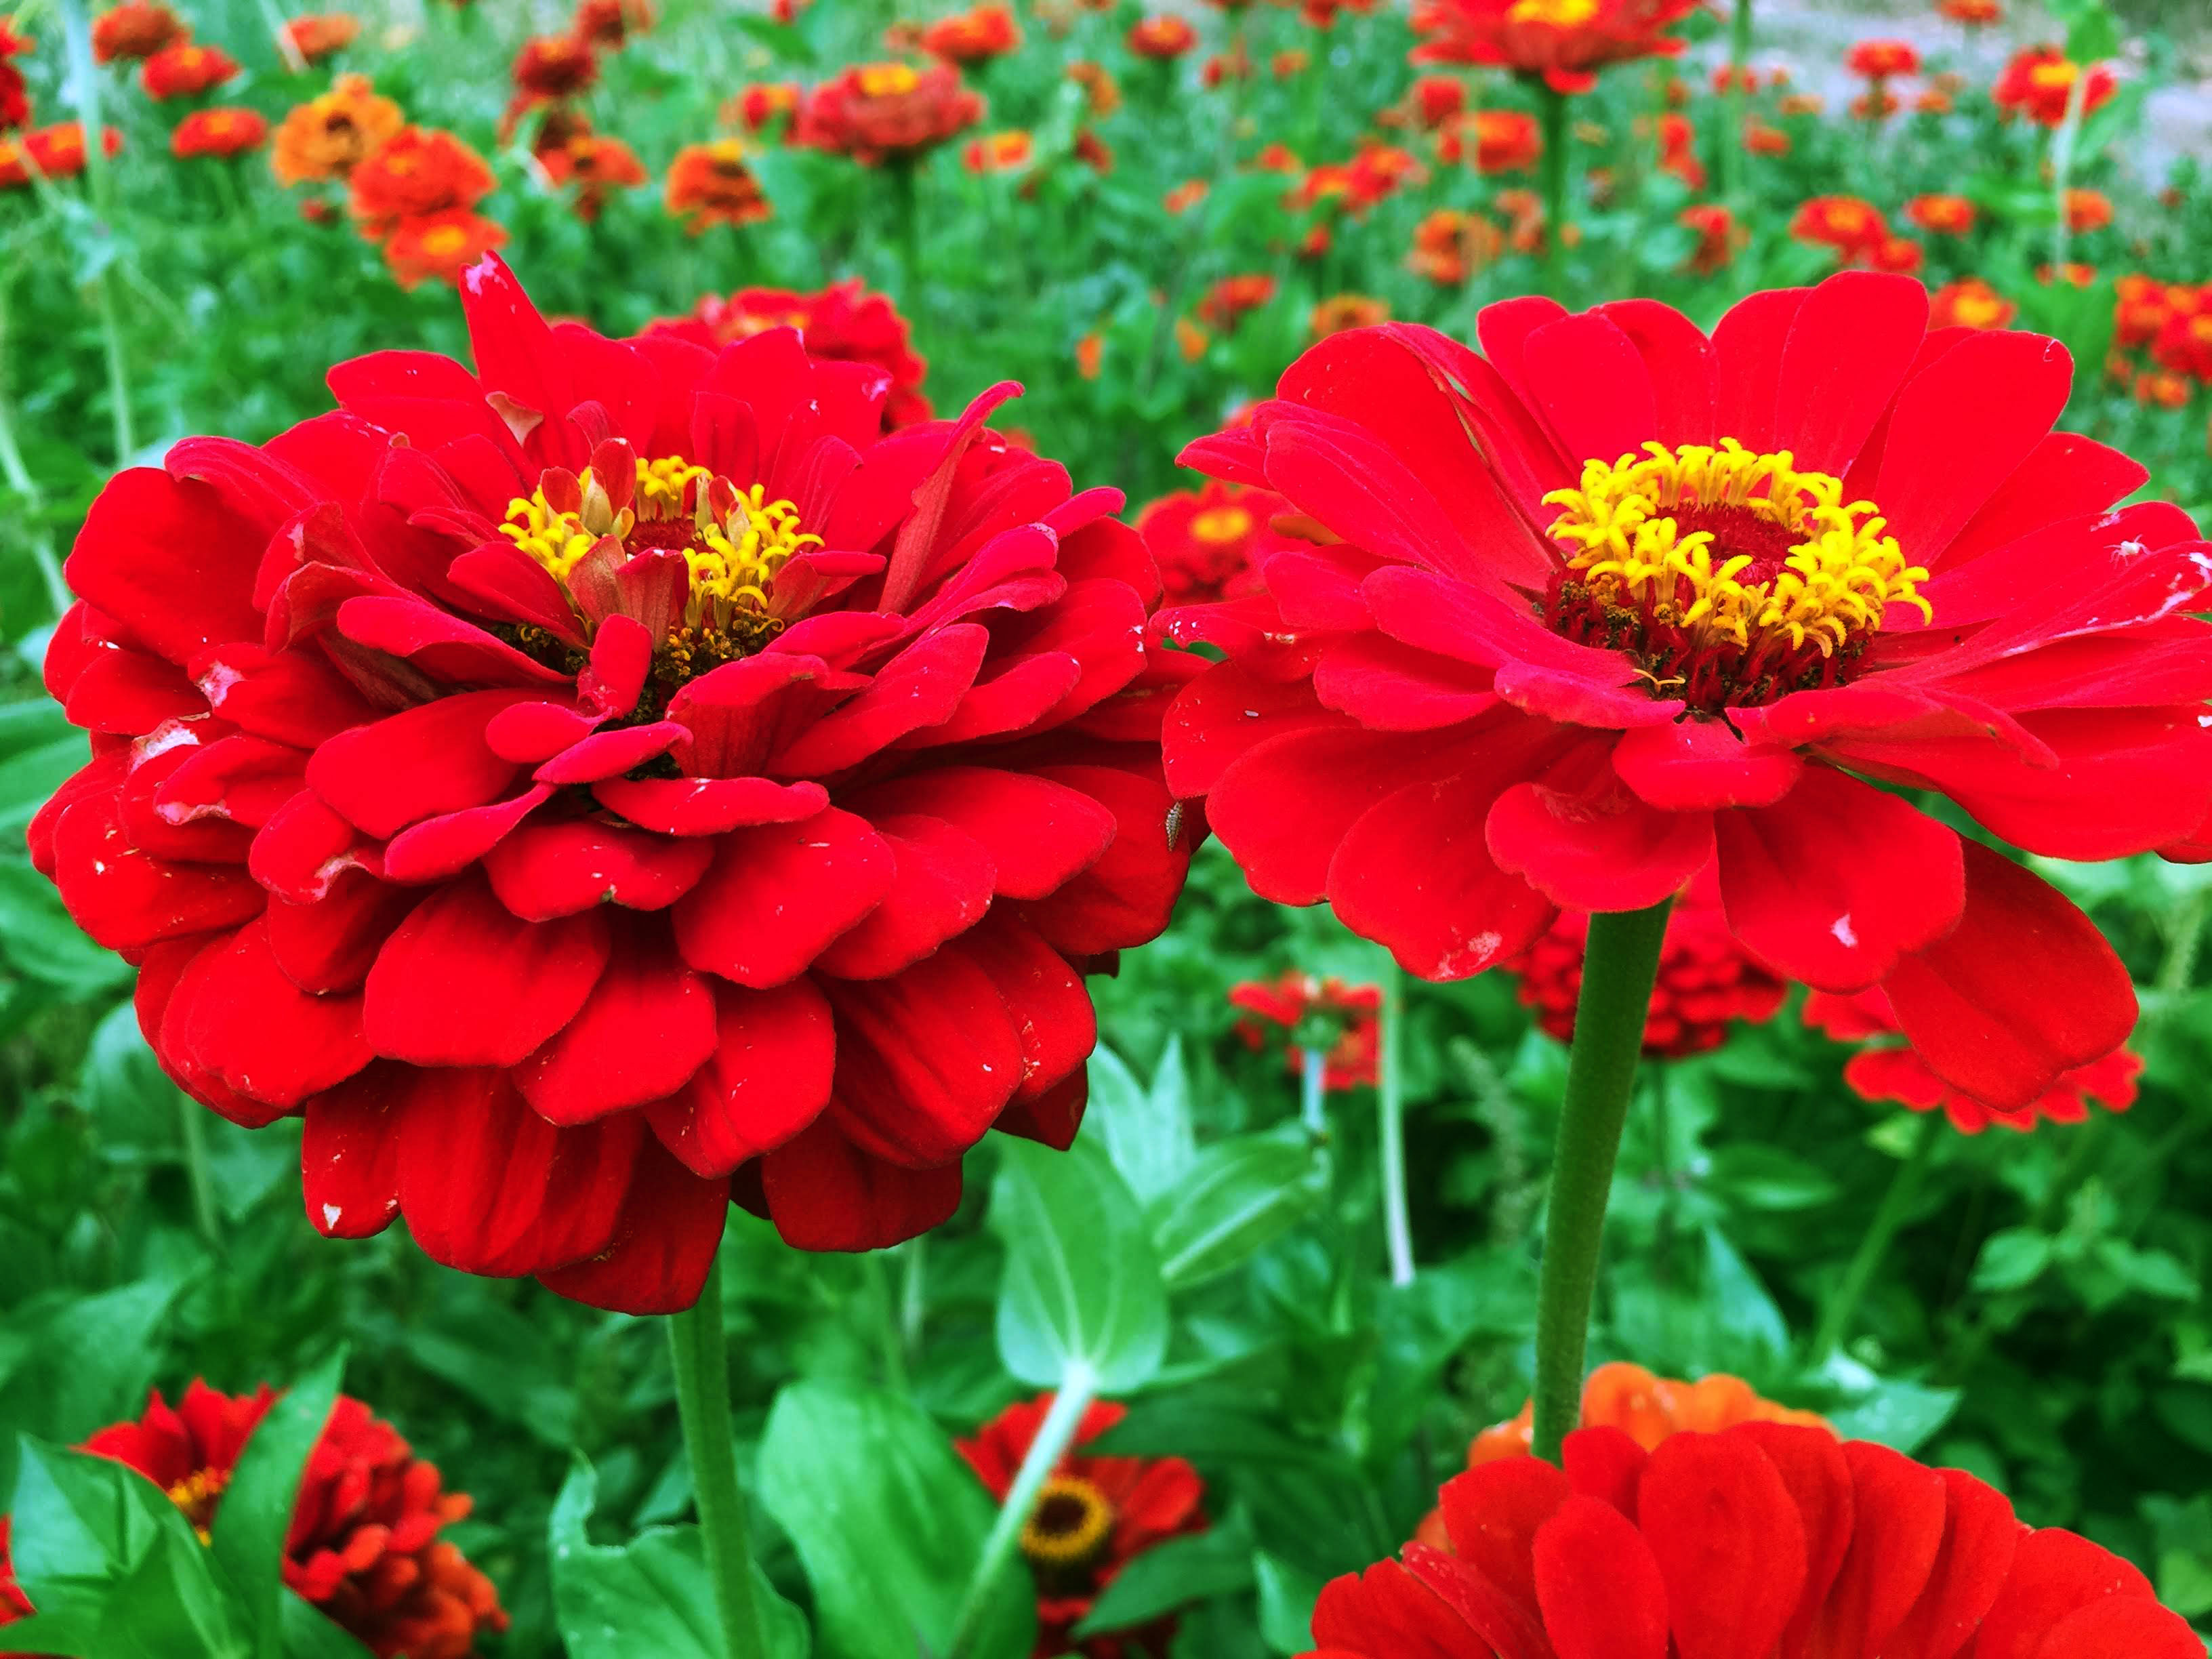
[(441, 245), (1706, 981), (2163, 388), (1765, 1538), (219, 132), (1450, 245), (363, 1547), (998, 152), (416, 173), (1892, 1071), (596, 164), (875, 112), (2039, 82), (2141, 306), (1226, 303), (710, 184), (1313, 1013), (615, 784), (1849, 224), (1970, 302), (1564, 42), (974, 36), (1647, 1408), (136, 28), (1432, 101), (1203, 539), (57, 151), (611, 22), (551, 66), (1495, 140), (1102, 92), (2087, 210), (1879, 60), (845, 322), (1095, 1516), (762, 103), (326, 136), (1719, 236), (1603, 611), (1341, 311), (1944, 216), (2183, 343), (1163, 37), (185, 71), (318, 37), (1975, 13)]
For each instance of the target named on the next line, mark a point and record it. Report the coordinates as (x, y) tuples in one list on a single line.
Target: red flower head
[(2183, 343), (1378, 170), (1316, 1013), (1975, 13), (1565, 42), (2141, 306), (136, 28), (621, 759), (185, 70), (318, 37), (998, 152), (1706, 979), (2039, 82), (1495, 140), (2087, 210), (596, 164), (1880, 60), (1970, 302), (611, 22), (1849, 224), (219, 132), (1163, 37), (1678, 150), (57, 151), (13, 43), (1342, 311), (1603, 610), (888, 112), (1895, 1072), (2163, 388), (1226, 303), (762, 102), (710, 184), (844, 322), (1719, 236), (14, 1604), (974, 36), (1760, 139), (363, 1547), (551, 66), (1900, 255), (1095, 1516), (1450, 245), (14, 97), (416, 173), (327, 137), (441, 245), (1203, 539), (1435, 99), (1943, 215), (1763, 1538)]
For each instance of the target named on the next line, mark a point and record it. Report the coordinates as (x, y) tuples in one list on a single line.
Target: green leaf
[(38, 941), (1761, 1177), (306, 1633), (649, 1599), (2011, 1260), (1419, 1327), (1903, 1416), (1287, 1594), (1147, 1131), (250, 1528), (1173, 1575), (1082, 1284), (1239, 1196), (888, 1523)]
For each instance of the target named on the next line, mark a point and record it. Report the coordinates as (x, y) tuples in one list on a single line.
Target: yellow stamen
[(1072, 1523), (196, 1496), (888, 80), (1560, 14), (1218, 526)]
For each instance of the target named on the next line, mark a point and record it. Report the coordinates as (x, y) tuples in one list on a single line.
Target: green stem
[(1390, 1129), (702, 1403), (2062, 165), (914, 1297), (21, 480), (1619, 967), (890, 1335), (118, 372), (907, 189), (1881, 1232), (1313, 1086), (1738, 101), (192, 1132), (1557, 132), (84, 78), (1078, 1386)]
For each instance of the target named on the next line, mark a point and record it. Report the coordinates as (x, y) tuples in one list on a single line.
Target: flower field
[(1189, 831)]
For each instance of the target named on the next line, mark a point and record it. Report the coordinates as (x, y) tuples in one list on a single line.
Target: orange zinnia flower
[(1226, 302), (441, 245), (317, 37), (326, 136), (1341, 311), (2038, 83), (2087, 210), (555, 66), (1000, 152), (218, 132), (1718, 236), (974, 36), (1969, 302), (711, 185), (597, 167), (1878, 60), (414, 174), (1495, 140), (1450, 245), (1161, 38), (1944, 216), (136, 28), (878, 112)]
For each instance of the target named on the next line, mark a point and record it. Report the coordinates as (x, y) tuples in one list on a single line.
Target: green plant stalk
[(1313, 1087), (914, 1296), (890, 1335), (1620, 965), (1078, 1386), (1390, 1128), (2063, 144), (1738, 104), (1557, 131), (1881, 1232), (191, 1133), (19, 480), (702, 1403), (84, 83)]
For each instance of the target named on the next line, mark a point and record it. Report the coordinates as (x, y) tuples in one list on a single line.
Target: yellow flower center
[(1560, 14), (1978, 310), (444, 241), (1731, 576), (1071, 1524), (2056, 76), (196, 1496), (888, 80), (727, 151), (1218, 527)]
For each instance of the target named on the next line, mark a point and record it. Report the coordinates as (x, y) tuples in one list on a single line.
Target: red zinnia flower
[(762, 103), (2141, 305), (1970, 302), (185, 70), (1763, 1538), (1851, 225), (2183, 343), (1450, 245), (2087, 210), (974, 36), (1895, 1072), (219, 132), (57, 151), (1202, 539), (611, 772), (14, 97), (997, 152), (1225, 305), (1678, 150), (1975, 13), (1706, 979), (1760, 139), (1163, 37), (136, 28), (1718, 236), (844, 322), (1945, 215), (416, 173), (1435, 98), (363, 1547), (1495, 140), (441, 245), (596, 164), (2038, 81), (611, 22), (551, 66), (1878, 60), (888, 112), (710, 184), (1603, 611), (317, 37), (1095, 1516), (1316, 1013), (1564, 41)]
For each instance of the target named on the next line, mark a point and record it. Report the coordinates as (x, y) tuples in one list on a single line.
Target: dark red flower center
[(1068, 1532)]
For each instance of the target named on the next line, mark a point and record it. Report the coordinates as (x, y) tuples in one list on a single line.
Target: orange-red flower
[(1648, 1409), (1899, 255), (1494, 140), (1102, 92), (762, 103), (1943, 215), (843, 322), (2141, 305), (974, 36), (1970, 302), (136, 28), (1341, 311), (362, 1548), (1226, 304), (1095, 1514), (2087, 210), (1433, 100), (2184, 344), (550, 66), (1761, 139), (1894, 1070), (1678, 150), (1089, 355), (57, 151), (1564, 42), (887, 112), (2074, 273), (2038, 83), (1933, 100), (611, 22), (1852, 225), (596, 164), (1185, 196), (185, 70), (1163, 37), (327, 137), (1202, 540), (1339, 1019), (1450, 245), (414, 174), (1879, 60), (1719, 236), (998, 152), (441, 245), (317, 37), (2164, 388), (710, 184), (1877, 104), (1975, 13), (219, 132)]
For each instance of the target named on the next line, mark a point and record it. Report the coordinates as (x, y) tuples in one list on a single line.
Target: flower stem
[(702, 1403), (193, 1135), (1557, 130), (1620, 965), (1881, 1232), (890, 1335), (1078, 1386), (1390, 1129), (1738, 97), (2062, 143), (1313, 1087), (84, 95), (19, 479)]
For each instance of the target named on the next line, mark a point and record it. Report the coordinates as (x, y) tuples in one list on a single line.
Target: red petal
[(1598, 1586), (445, 846), (1812, 1465), (767, 1078), (1124, 897), (1493, 1513), (1747, 346), (1849, 347), (1591, 845), (1038, 834), (1702, 764), (647, 1025), (1980, 1537), (559, 869), (2121, 1628), (925, 1060), (235, 1015), (825, 1193), (127, 900), (940, 887), (708, 806), (2054, 1573), (1729, 1542), (664, 1241), (349, 1153), (1226, 712), (1504, 1624), (1051, 1009), (428, 759), (920, 687), (1900, 1508), (1590, 381), (166, 559), (778, 894), (1605, 1462)]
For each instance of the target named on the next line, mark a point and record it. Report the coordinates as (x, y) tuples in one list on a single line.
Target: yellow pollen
[(888, 80), (2058, 74), (1560, 14), (1218, 526), (196, 1495), (1837, 570), (1072, 1522)]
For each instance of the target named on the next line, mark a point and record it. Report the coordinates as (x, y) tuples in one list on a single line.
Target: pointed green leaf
[(256, 1515)]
